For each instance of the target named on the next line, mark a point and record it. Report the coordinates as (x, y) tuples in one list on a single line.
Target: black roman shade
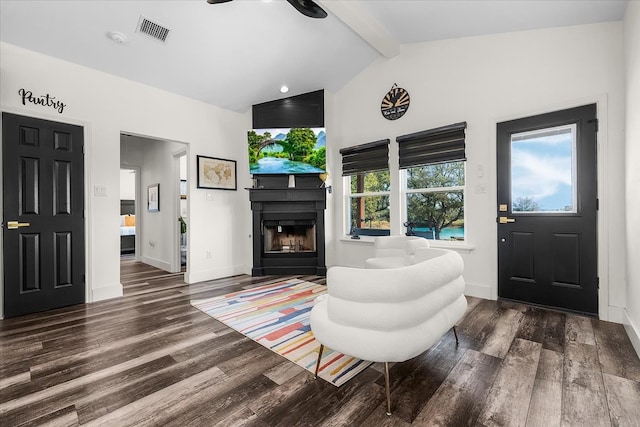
[(443, 144), (369, 157)]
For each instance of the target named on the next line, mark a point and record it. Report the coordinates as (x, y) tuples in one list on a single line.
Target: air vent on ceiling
[(153, 30)]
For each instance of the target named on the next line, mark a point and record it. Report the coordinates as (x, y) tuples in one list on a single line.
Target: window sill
[(461, 247), (366, 240)]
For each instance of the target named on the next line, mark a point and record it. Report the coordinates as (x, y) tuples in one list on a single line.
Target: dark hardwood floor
[(150, 358)]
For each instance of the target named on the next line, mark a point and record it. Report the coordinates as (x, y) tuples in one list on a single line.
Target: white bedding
[(128, 231)]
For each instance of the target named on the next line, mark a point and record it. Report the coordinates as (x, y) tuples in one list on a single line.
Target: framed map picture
[(219, 174)]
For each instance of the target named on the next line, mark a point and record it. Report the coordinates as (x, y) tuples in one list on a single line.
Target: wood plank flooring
[(150, 359)]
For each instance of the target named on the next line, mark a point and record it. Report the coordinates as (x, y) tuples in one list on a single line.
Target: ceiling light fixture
[(284, 89), (117, 37)]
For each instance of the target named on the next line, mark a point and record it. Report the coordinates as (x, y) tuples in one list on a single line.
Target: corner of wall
[(106, 292), (633, 332), (162, 265), (479, 291), (213, 274)]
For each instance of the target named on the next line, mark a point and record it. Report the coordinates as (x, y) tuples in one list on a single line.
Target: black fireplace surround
[(288, 226)]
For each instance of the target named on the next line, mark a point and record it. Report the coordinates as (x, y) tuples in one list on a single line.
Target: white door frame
[(175, 261)]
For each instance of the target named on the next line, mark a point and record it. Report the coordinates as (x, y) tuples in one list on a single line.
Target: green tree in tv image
[(436, 210), (299, 145), (255, 143)]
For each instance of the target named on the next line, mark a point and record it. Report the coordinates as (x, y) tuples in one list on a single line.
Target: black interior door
[(547, 210), (43, 224)]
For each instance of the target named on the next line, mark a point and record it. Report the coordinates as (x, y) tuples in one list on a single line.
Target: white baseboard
[(616, 314), (156, 263), (106, 292), (632, 331), (479, 291), (218, 273)]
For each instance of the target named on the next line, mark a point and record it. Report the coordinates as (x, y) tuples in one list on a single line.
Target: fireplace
[(289, 236), (288, 230)]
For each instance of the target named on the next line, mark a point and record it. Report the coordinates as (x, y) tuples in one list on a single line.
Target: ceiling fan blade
[(308, 8), (217, 1)]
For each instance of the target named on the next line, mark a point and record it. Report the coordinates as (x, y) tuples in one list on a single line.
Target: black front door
[(547, 210), (43, 224)]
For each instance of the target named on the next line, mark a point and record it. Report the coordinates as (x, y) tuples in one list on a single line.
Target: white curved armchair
[(390, 314)]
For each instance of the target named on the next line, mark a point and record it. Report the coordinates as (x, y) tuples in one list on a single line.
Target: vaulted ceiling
[(240, 53)]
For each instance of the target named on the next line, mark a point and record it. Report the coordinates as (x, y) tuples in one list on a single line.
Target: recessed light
[(117, 37), (284, 89)]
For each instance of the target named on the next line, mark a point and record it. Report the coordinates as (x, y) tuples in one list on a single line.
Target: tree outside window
[(434, 199), (369, 203)]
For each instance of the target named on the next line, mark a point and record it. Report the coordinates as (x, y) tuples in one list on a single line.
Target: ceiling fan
[(306, 7)]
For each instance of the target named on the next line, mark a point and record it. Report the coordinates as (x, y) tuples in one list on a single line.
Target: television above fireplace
[(287, 151)]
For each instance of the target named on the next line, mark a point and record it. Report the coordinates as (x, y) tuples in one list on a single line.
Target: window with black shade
[(365, 169), (432, 166)]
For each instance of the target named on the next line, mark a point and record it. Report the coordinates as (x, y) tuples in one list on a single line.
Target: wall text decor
[(44, 100)]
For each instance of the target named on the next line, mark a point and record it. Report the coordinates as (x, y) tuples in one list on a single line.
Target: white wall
[(106, 106), (127, 184), (485, 80), (632, 55)]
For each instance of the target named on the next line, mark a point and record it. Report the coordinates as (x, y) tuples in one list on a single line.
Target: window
[(368, 187), (433, 182), (543, 171), (369, 203)]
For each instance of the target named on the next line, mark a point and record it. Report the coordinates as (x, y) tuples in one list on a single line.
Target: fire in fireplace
[(286, 236)]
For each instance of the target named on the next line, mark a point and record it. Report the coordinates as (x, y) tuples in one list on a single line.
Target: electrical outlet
[(208, 255), (99, 190)]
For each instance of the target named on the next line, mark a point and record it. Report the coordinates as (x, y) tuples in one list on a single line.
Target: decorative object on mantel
[(323, 177), (218, 174), (395, 103), (153, 198), (292, 181)]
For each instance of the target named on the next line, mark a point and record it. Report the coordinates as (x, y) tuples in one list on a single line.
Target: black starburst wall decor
[(395, 103)]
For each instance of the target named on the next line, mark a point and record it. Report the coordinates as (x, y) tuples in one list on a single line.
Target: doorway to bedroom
[(128, 196), (153, 208)]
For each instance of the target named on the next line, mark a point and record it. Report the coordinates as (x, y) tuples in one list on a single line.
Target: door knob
[(12, 225), (504, 220)]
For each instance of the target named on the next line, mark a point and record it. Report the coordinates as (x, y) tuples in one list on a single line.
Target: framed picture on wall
[(153, 198), (218, 174)]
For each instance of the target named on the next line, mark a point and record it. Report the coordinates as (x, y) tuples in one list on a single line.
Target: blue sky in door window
[(543, 172)]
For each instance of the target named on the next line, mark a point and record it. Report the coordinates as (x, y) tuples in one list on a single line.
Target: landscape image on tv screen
[(287, 151)]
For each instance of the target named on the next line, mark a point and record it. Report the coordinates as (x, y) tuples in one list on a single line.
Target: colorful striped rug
[(277, 316)]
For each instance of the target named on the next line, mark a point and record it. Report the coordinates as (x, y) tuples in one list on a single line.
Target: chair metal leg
[(386, 380), (456, 334), (315, 376)]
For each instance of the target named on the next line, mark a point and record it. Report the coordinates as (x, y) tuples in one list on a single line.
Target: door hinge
[(598, 282), (597, 204), (596, 122)]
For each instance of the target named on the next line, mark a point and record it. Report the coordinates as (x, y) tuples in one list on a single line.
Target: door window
[(543, 171)]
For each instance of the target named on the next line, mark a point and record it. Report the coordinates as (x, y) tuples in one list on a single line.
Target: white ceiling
[(237, 54)]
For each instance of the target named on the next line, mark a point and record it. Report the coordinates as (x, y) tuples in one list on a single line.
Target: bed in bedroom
[(127, 226)]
